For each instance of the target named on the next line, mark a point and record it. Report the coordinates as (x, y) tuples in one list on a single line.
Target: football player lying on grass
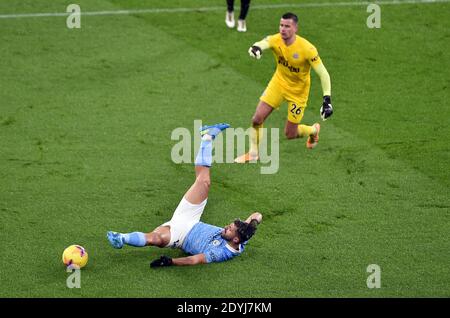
[(205, 243)]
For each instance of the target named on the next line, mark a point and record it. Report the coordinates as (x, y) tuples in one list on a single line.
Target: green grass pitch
[(86, 117)]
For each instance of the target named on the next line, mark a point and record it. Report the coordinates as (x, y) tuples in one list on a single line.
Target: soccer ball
[(75, 256)]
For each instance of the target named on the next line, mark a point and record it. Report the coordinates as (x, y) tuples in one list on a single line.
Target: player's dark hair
[(245, 230), (290, 15)]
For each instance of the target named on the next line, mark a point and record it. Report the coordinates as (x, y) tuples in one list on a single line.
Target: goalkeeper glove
[(162, 261), (255, 51), (326, 110)]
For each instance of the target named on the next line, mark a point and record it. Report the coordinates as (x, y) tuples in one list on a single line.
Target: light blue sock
[(204, 155), (134, 239)]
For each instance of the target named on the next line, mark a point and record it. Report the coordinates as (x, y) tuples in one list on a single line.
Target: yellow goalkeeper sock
[(304, 131), (256, 134)]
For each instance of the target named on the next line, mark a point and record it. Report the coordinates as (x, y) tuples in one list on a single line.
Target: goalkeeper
[(294, 56), (204, 242)]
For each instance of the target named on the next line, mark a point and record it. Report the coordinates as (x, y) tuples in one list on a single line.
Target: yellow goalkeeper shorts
[(275, 94)]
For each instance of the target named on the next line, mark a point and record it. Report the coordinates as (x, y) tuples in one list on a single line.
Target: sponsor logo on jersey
[(282, 61)]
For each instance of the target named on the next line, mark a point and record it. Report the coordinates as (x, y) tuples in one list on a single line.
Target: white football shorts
[(183, 220)]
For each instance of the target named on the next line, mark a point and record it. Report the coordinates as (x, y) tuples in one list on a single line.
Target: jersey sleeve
[(217, 255), (324, 78), (270, 41), (263, 44), (267, 43), (313, 56)]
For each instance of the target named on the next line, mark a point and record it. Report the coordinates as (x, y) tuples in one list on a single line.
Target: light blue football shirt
[(205, 238)]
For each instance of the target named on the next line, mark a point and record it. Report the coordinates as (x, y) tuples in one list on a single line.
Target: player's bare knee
[(154, 239)]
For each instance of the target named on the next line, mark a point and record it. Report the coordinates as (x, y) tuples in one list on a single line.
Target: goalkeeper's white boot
[(242, 27), (229, 20), (313, 140)]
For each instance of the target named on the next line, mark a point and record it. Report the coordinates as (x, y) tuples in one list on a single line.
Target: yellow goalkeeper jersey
[(293, 64)]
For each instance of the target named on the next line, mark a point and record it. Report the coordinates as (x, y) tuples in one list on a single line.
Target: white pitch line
[(206, 9)]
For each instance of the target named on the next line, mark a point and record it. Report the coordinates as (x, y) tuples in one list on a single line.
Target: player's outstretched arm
[(327, 109), (254, 216), (189, 260), (324, 78), (256, 49)]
